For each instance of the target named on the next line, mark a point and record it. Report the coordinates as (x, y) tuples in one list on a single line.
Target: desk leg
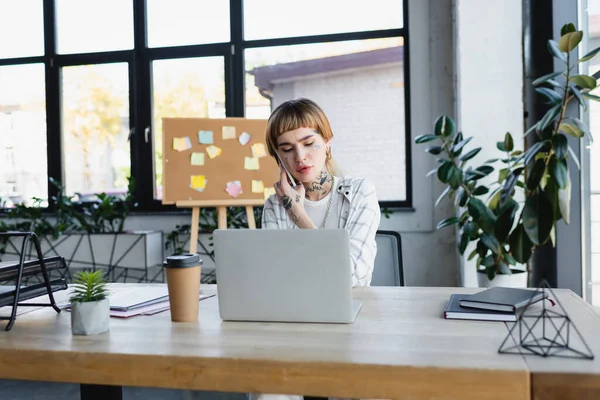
[(100, 392)]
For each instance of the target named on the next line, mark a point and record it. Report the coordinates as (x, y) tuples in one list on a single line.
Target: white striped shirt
[(359, 214)]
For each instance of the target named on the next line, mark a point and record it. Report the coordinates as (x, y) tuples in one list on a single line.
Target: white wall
[(489, 70)]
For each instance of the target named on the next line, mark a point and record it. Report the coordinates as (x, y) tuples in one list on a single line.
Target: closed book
[(454, 310), (502, 299)]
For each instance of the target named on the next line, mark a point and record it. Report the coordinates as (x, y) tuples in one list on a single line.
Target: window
[(86, 26), (85, 85), (95, 111), (189, 87), (23, 175)]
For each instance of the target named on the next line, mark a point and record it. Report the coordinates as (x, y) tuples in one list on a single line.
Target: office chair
[(388, 270)]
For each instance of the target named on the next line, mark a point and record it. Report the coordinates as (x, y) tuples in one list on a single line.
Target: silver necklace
[(328, 206)]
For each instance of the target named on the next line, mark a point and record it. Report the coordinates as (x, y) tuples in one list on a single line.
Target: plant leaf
[(584, 81), (503, 268), (546, 77), (520, 244), (566, 28), (444, 170), (582, 127), (550, 115), (491, 242), (577, 93), (509, 143), (574, 156), (505, 220), (425, 138), (569, 41), (447, 222), (509, 186), (551, 95), (479, 190), (591, 96), (536, 173), (571, 130), (564, 202), (435, 150), (561, 145), (464, 241), (444, 126), (444, 193), (590, 55), (559, 171), (555, 51), (458, 147), (470, 154), (538, 218)]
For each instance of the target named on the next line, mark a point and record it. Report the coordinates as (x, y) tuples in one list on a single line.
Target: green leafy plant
[(89, 286), (506, 231)]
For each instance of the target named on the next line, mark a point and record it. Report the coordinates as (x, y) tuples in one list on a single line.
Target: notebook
[(454, 310), (502, 299)]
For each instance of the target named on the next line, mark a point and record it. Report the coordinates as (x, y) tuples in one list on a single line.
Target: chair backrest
[(388, 270)]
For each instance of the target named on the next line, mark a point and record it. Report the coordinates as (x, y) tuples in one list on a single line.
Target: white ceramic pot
[(90, 318), (518, 279)]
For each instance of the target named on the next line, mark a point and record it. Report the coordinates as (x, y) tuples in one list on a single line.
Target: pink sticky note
[(234, 188)]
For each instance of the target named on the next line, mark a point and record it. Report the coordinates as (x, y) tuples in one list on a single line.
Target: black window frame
[(139, 61)]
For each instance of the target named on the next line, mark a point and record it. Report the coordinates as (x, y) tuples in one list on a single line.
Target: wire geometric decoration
[(544, 332)]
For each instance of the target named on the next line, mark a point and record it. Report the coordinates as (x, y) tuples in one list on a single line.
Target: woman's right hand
[(291, 199)]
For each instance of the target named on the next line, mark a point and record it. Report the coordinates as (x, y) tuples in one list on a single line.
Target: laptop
[(287, 275)]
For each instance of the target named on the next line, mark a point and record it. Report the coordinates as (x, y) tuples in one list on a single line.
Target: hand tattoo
[(297, 198), (287, 202)]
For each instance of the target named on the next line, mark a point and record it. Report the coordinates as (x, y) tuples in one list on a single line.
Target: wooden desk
[(399, 347), (565, 378)]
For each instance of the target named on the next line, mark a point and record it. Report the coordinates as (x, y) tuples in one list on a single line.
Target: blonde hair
[(295, 114)]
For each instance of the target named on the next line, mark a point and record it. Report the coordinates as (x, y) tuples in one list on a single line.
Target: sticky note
[(234, 188), (228, 132), (257, 186), (251, 163), (213, 151), (268, 192), (205, 137), (258, 150), (244, 138), (198, 182), (197, 158), (182, 144)]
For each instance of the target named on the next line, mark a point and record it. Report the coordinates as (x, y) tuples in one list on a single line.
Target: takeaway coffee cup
[(183, 282)]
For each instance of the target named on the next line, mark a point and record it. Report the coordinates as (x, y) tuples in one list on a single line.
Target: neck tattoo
[(320, 186)]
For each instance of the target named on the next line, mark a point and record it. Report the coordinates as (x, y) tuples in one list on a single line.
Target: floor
[(23, 390)]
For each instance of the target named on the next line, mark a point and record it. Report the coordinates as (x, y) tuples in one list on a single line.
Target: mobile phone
[(290, 177)]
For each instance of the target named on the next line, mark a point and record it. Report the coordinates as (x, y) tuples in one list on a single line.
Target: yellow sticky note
[(257, 186), (258, 150), (228, 132), (213, 151), (251, 163), (182, 144), (268, 192), (197, 158), (198, 182)]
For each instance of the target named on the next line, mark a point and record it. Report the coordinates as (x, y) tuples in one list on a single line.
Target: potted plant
[(90, 307), (511, 216)]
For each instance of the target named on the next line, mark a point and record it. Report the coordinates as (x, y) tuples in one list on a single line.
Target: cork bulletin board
[(216, 161)]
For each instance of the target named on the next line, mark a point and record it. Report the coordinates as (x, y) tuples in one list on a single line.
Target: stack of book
[(494, 304)]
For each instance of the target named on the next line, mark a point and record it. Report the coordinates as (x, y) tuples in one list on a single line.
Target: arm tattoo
[(297, 198), (287, 202), (294, 217)]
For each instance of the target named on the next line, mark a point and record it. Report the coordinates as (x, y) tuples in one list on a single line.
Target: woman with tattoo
[(298, 136)]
